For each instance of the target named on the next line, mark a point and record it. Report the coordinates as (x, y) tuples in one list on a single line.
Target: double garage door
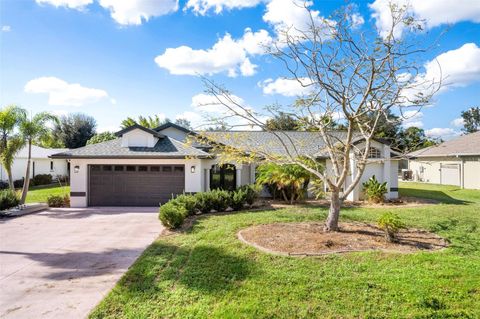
[(134, 185)]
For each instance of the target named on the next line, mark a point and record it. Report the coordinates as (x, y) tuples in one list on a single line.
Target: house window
[(374, 152), (178, 169), (130, 168), (223, 177), (118, 168), (107, 167), (166, 168), (51, 166), (154, 168), (142, 168)]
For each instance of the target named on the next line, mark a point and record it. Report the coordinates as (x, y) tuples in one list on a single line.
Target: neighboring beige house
[(145, 167), (455, 162), (40, 163)]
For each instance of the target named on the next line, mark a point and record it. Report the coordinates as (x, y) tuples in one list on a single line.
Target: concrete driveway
[(60, 263)]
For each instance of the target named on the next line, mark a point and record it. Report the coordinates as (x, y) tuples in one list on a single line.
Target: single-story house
[(41, 163), (145, 167), (455, 162)]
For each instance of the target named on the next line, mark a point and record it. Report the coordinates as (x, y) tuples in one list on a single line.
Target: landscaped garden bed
[(309, 239)]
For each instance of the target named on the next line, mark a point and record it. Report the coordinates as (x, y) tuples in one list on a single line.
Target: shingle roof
[(39, 152), (464, 145), (278, 143), (165, 148)]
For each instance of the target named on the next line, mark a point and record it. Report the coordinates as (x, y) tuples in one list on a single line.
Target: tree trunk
[(10, 178), (26, 182), (334, 212)]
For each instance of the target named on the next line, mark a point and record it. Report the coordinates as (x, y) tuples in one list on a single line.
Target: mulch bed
[(309, 239)]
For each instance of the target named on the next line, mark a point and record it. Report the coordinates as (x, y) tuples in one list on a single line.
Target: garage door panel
[(119, 187)]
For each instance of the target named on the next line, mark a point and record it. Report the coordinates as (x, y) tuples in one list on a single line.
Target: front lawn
[(208, 273), (39, 194)]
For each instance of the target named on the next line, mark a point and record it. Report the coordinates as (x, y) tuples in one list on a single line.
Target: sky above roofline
[(114, 59)]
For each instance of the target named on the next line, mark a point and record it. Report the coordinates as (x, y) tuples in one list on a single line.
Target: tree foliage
[(352, 74), (101, 137), (471, 120), (74, 130)]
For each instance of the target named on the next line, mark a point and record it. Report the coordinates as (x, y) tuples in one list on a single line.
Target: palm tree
[(9, 118), (33, 129)]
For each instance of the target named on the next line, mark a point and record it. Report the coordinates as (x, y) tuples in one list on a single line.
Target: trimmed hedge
[(41, 179), (173, 213), (8, 199)]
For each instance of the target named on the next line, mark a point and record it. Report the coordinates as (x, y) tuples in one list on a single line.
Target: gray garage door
[(134, 185)]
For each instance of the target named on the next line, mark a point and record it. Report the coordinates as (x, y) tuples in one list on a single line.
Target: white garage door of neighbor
[(450, 174)]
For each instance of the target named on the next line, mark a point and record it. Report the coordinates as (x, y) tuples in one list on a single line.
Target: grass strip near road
[(39, 194)]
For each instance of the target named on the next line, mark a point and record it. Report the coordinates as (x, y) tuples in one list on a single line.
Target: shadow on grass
[(205, 269), (432, 194)]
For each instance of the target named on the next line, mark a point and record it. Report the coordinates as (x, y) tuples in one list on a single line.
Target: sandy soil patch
[(309, 239)]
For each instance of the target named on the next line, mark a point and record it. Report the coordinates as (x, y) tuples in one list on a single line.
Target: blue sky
[(113, 59)]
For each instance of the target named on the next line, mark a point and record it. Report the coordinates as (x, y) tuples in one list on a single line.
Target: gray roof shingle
[(279, 143), (165, 148), (464, 145)]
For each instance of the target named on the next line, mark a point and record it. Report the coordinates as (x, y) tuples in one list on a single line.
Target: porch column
[(252, 173), (386, 169), (238, 176), (207, 179)]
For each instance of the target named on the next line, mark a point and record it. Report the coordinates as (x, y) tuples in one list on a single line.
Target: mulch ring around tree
[(309, 239)]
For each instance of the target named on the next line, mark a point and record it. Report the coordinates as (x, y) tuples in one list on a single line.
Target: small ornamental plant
[(391, 224), (374, 190)]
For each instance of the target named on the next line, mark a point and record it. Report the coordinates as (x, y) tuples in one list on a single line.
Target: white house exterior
[(455, 162), (41, 163), (145, 167)]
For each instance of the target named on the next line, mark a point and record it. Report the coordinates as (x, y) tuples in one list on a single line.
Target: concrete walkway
[(60, 263)]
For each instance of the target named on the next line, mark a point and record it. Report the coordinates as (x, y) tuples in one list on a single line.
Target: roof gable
[(138, 127)]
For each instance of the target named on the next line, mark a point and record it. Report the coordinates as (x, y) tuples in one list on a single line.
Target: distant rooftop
[(465, 145)]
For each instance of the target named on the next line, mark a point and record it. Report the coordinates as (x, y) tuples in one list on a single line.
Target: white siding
[(472, 173)]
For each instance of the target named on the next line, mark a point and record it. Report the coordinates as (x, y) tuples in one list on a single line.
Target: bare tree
[(348, 73)]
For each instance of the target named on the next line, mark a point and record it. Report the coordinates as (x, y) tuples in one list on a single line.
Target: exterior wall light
[(192, 169), (76, 169)]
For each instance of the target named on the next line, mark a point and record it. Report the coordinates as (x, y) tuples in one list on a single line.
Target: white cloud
[(291, 16), (443, 133), (204, 6), (286, 87), (356, 20), (72, 4), (412, 118), (125, 12), (458, 122), (454, 68), (63, 93), (226, 55), (207, 109), (134, 12), (6, 28), (433, 12)]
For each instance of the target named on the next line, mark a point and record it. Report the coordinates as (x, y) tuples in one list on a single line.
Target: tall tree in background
[(74, 130), (148, 122), (471, 120), (283, 122), (31, 130), (412, 139), (10, 144), (349, 72), (101, 137), (184, 123)]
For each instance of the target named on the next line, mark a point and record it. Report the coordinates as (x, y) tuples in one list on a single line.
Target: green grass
[(208, 273), (39, 194)]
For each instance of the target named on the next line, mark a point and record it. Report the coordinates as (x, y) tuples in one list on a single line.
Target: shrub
[(187, 201), (58, 201), (172, 215), (238, 199), (8, 199), (221, 199), (316, 186), (252, 192), (3, 185), (204, 202), (374, 190), (18, 183), (390, 223), (41, 179)]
